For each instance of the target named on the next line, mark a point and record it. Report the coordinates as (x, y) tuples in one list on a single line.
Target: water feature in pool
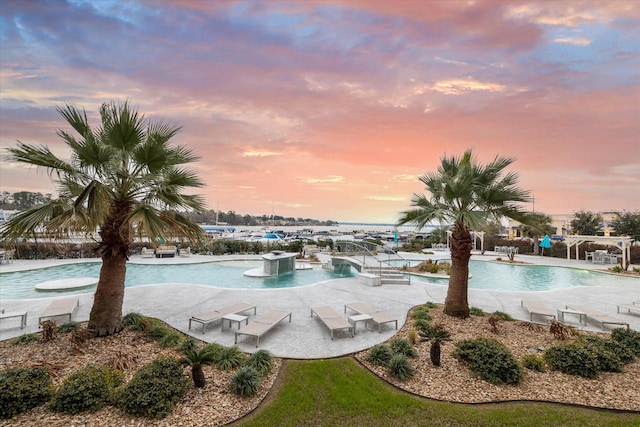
[(228, 274), (519, 277)]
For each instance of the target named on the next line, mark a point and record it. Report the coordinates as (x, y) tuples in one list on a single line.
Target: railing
[(366, 251)]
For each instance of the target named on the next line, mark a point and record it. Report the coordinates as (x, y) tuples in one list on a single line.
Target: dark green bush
[(157, 331), (421, 312), (26, 338), (230, 358), (628, 338), (245, 382), (188, 344), (68, 327), (490, 359), (421, 324), (605, 352), (404, 347), (154, 389), (88, 389), (379, 354), (135, 322), (533, 362), (22, 389), (261, 361), (572, 359), (214, 348), (400, 367)]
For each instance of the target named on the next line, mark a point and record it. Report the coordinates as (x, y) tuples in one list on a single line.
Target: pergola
[(622, 242), (476, 234)]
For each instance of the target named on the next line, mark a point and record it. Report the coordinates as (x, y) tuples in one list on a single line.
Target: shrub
[(86, 390), (411, 336), (261, 361), (135, 322), (628, 338), (172, 339), (400, 368), (421, 312), (490, 359), (421, 324), (502, 315), (197, 359), (68, 327), (379, 354), (429, 305), (475, 311), (157, 331), (230, 358), (188, 344), (436, 335), (245, 382), (533, 362), (604, 351), (572, 359), (214, 348), (404, 347), (22, 389), (154, 389), (26, 338)]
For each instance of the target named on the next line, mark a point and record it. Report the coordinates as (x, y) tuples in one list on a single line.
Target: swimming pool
[(519, 277), (224, 274)]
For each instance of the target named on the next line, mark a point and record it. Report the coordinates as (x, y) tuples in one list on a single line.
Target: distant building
[(6, 214), (561, 224)]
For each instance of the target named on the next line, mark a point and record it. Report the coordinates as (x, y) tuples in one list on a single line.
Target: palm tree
[(466, 194), (537, 224), (125, 180), (436, 335), (197, 359)]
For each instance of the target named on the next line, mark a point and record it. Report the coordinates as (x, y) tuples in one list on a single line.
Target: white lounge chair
[(147, 253), (11, 314), (263, 324), (597, 316), (377, 316), (211, 316), (332, 320), (634, 306), (60, 307), (535, 307)]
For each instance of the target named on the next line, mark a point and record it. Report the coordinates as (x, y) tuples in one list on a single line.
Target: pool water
[(228, 274), (518, 277)]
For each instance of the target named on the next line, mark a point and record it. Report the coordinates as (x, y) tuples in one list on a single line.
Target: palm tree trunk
[(106, 313), (198, 376), (456, 303), (434, 353)]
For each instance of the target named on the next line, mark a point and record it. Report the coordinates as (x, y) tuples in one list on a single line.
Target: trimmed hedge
[(22, 389), (490, 359), (86, 390)]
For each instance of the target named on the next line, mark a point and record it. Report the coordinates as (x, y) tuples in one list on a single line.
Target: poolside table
[(354, 319), (581, 315), (238, 318)]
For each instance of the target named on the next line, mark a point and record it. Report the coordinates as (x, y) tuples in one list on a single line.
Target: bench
[(60, 307)]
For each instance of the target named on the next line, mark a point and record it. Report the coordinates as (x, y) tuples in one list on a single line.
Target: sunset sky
[(332, 109)]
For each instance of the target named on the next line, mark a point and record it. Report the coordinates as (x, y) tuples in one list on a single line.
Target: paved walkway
[(306, 337)]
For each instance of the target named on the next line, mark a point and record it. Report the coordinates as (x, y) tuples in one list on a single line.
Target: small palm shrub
[(490, 359), (533, 363), (400, 367), (154, 389), (572, 359), (436, 335), (379, 354), (245, 382), (404, 347), (197, 359), (230, 358), (68, 327), (22, 389), (261, 361), (628, 338), (86, 390)]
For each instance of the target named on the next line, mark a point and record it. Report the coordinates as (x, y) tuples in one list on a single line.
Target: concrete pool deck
[(306, 337)]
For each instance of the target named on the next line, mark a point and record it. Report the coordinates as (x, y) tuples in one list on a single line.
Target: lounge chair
[(634, 306), (212, 316), (597, 316), (60, 307), (147, 253), (331, 319), (535, 307), (10, 314), (377, 316), (263, 324)]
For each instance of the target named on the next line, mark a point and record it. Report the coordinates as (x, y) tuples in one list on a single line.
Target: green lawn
[(340, 392)]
